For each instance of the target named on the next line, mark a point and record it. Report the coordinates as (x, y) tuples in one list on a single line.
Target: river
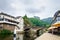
[(23, 37)]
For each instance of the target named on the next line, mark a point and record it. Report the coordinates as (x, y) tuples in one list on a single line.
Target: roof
[(52, 28), (56, 14), (18, 17), (56, 25), (6, 14)]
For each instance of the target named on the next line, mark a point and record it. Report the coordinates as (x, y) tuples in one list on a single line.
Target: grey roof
[(6, 14), (18, 17), (56, 14)]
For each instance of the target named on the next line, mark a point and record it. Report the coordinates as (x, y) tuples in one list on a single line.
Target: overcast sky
[(40, 8)]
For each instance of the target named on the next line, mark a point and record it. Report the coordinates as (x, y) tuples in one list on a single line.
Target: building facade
[(56, 17), (55, 26), (10, 22)]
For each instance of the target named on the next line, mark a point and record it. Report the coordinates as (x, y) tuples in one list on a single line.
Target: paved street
[(48, 36)]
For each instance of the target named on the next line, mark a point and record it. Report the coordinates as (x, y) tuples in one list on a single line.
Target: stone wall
[(8, 27)]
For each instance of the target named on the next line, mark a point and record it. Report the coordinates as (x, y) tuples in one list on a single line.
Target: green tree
[(26, 21), (37, 22)]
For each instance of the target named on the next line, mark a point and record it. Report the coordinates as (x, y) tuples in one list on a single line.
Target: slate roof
[(6, 14), (56, 14)]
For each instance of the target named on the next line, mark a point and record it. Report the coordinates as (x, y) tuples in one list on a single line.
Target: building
[(55, 26), (56, 17), (10, 22)]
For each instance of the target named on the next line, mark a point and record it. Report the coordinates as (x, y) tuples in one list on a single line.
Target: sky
[(40, 8)]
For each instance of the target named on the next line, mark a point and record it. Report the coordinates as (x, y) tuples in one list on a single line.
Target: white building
[(20, 27), (11, 23)]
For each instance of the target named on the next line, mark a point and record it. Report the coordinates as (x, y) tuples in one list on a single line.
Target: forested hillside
[(34, 22), (37, 22), (49, 19)]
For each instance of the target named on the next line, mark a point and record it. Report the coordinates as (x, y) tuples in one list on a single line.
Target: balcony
[(8, 22)]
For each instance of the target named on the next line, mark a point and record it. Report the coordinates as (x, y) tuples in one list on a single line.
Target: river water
[(27, 36), (23, 37)]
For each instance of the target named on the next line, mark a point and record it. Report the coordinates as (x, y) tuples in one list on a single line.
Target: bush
[(5, 33)]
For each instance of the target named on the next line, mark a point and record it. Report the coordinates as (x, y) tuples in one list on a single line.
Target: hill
[(38, 22), (48, 20)]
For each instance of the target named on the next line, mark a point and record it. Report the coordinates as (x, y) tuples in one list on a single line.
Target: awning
[(51, 28), (57, 24)]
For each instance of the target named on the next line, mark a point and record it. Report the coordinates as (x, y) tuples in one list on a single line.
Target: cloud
[(32, 10), (27, 2), (35, 10), (45, 8), (3, 4)]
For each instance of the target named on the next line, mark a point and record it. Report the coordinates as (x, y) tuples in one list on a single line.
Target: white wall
[(21, 24)]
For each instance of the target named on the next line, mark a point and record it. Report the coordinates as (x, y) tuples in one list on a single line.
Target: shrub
[(5, 33)]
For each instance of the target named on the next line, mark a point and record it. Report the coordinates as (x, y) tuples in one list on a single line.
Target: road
[(48, 36)]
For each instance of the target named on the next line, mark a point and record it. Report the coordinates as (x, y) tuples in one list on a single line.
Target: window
[(1, 19)]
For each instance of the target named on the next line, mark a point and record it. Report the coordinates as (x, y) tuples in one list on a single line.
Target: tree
[(37, 22), (26, 21)]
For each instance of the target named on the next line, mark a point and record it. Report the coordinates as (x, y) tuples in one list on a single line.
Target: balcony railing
[(8, 21)]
